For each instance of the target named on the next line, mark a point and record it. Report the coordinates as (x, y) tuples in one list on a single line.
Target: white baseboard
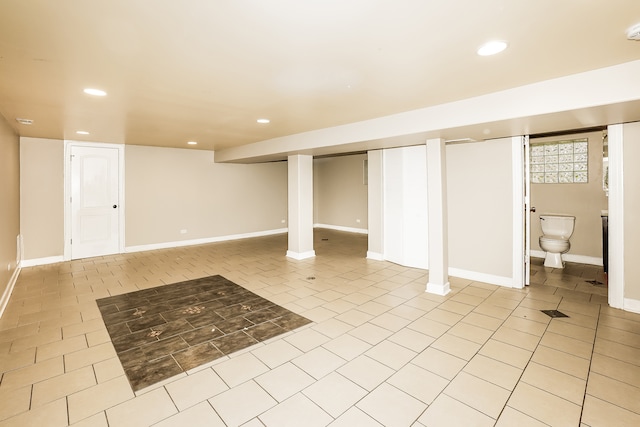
[(301, 255), (41, 261), (7, 292), (180, 243), (341, 228), (580, 259), (375, 256), (481, 277), (438, 289), (632, 305)]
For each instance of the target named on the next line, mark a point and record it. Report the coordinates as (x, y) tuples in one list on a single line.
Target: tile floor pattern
[(380, 351), (163, 331)]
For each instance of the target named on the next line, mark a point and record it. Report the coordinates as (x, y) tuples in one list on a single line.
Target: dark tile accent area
[(163, 331), (554, 313)]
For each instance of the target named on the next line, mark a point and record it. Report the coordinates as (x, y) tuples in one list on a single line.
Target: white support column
[(375, 205), (437, 221), (300, 207), (616, 276)]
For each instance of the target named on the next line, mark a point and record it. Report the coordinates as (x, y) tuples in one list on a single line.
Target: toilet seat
[(552, 238)]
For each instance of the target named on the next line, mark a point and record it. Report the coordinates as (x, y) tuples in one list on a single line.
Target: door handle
[(532, 208), (115, 206)]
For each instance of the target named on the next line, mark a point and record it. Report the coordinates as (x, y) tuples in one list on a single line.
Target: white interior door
[(95, 201)]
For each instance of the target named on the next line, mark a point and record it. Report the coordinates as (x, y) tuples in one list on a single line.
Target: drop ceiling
[(206, 70)]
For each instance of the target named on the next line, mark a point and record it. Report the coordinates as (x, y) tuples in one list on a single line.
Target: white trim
[(615, 274), (67, 192), (6, 295), (41, 261), (438, 289), (375, 256), (519, 209), (580, 259), (341, 228), (482, 277), (180, 243), (632, 305), (301, 255)]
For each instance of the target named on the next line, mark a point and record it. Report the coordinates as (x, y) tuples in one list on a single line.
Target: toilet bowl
[(556, 231)]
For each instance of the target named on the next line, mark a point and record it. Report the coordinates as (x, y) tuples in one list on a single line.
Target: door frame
[(521, 214), (67, 192)]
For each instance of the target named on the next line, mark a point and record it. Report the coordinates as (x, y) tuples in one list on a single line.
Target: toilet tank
[(557, 225)]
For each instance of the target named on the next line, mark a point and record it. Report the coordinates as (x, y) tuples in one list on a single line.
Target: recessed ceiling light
[(491, 48), (263, 121), (24, 121), (95, 92), (82, 132), (192, 143)]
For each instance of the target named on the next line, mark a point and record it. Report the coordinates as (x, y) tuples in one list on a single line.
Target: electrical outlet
[(358, 220), (283, 221), (183, 231)]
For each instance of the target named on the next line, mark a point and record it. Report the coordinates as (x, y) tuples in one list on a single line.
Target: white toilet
[(556, 231)]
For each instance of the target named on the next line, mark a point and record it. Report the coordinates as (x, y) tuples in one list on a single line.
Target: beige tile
[(418, 382), (201, 414), (483, 321), (618, 335), (98, 398), (370, 333), (567, 344), (62, 385), (617, 351), (58, 348), (390, 321), (440, 363), (563, 385), (429, 327), (284, 381), (561, 361), (491, 310), (516, 338), (88, 356), (391, 354), (615, 369), (335, 394), (276, 353), (531, 314), (307, 339), (97, 420), (577, 332), (11, 361), (32, 374), (509, 354), (333, 328), (411, 339), (239, 369), (616, 392), (194, 388), (544, 406), (470, 332), (143, 410), (366, 372), (481, 395), (347, 347), (456, 307), (108, 369), (391, 406), (446, 412), (530, 327), (53, 414), (44, 337), (598, 413), (14, 402), (442, 316), (494, 371), (295, 411), (459, 347), (319, 362), (510, 418), (355, 417)]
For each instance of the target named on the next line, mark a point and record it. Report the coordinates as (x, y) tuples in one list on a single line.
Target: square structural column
[(300, 207), (375, 205), (437, 221)]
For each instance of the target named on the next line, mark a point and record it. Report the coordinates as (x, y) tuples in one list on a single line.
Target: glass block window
[(559, 162)]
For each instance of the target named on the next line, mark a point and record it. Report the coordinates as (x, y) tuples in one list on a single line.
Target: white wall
[(405, 206)]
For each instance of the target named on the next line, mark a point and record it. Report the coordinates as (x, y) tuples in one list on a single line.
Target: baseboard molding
[(299, 256), (341, 228), (580, 259), (481, 277), (41, 261), (632, 305), (4, 301), (375, 256), (180, 243), (438, 289)]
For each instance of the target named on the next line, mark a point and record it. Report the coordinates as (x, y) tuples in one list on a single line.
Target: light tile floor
[(380, 351)]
